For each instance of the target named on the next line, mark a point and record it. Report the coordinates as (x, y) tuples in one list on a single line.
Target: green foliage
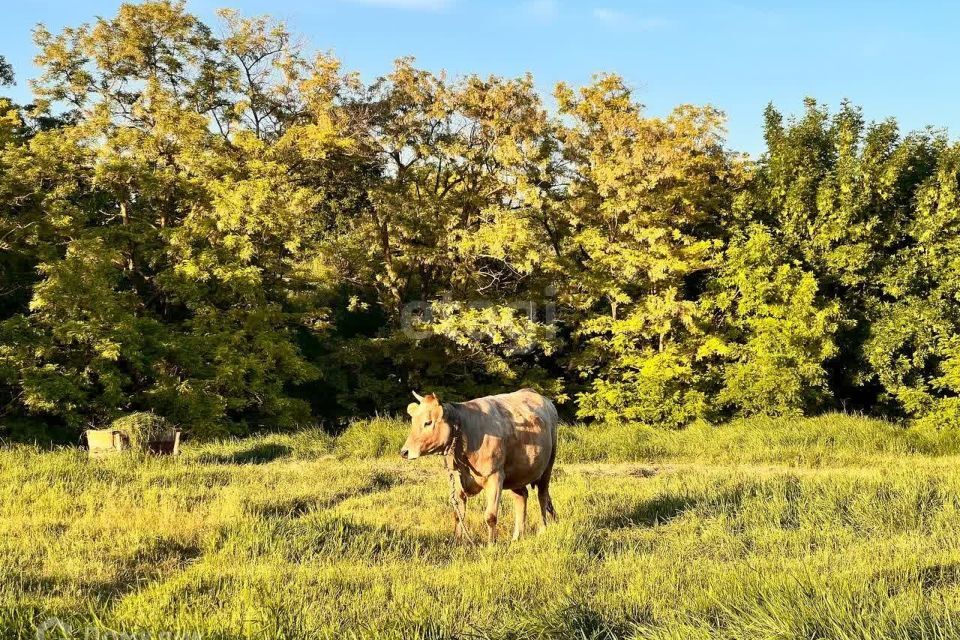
[(645, 202), (211, 223), (780, 331), (6, 72), (914, 346)]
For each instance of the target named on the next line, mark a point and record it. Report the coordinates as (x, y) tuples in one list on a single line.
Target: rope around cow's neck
[(450, 454)]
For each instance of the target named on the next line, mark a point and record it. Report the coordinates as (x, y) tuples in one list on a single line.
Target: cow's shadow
[(667, 507), (299, 506), (322, 534), (648, 513), (614, 529), (257, 454)]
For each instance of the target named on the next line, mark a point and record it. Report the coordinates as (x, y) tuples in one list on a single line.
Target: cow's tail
[(543, 484)]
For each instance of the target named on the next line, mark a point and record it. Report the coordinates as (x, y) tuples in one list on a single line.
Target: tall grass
[(829, 439), (851, 530)]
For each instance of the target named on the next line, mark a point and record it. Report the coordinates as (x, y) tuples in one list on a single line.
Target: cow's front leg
[(495, 485), (519, 511)]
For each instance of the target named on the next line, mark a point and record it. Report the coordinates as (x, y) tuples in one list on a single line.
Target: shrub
[(373, 438), (938, 431)]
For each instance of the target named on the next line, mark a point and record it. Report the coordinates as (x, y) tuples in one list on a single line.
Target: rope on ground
[(460, 514)]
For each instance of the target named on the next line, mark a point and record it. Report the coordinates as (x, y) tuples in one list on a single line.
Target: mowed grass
[(836, 527)]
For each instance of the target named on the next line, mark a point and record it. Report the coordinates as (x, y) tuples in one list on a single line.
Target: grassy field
[(836, 527)]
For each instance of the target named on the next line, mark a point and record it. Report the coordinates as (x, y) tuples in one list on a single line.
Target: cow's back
[(513, 431)]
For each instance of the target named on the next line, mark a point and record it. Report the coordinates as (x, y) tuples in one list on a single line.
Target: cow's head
[(429, 432)]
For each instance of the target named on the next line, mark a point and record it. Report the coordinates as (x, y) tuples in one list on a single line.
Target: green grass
[(836, 527), (833, 439)]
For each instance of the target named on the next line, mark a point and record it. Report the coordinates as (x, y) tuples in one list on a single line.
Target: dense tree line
[(237, 235)]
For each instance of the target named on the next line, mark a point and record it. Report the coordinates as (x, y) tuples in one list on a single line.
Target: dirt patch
[(631, 470)]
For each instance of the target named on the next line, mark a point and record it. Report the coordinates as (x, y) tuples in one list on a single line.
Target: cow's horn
[(417, 396)]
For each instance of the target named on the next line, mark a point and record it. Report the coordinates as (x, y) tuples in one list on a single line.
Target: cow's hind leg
[(519, 511)]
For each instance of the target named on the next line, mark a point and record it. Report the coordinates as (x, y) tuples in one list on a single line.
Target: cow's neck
[(454, 441), (456, 448)]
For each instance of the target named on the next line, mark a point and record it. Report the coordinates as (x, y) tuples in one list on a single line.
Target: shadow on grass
[(648, 513), (326, 535), (158, 561), (302, 505), (575, 620), (610, 533), (666, 507), (344, 536), (154, 562), (939, 576), (943, 575), (258, 454), (35, 584)]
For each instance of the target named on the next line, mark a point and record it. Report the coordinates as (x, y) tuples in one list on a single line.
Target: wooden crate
[(166, 447), (105, 442)]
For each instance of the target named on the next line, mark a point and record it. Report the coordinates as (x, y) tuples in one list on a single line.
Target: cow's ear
[(412, 408)]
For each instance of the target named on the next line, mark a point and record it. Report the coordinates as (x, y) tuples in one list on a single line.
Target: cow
[(502, 442)]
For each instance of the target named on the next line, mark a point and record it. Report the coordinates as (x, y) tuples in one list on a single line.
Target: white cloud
[(542, 10), (407, 5), (607, 15), (621, 20)]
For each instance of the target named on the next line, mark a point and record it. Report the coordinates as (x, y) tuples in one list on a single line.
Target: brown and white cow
[(506, 441)]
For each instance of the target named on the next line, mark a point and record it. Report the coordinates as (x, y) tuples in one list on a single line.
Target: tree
[(913, 345), (166, 275), (838, 196), (7, 77), (778, 333), (237, 234), (644, 207)]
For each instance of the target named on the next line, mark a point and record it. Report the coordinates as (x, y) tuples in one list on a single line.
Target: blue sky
[(893, 58)]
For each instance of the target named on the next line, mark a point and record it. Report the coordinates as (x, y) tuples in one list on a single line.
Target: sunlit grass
[(837, 527)]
